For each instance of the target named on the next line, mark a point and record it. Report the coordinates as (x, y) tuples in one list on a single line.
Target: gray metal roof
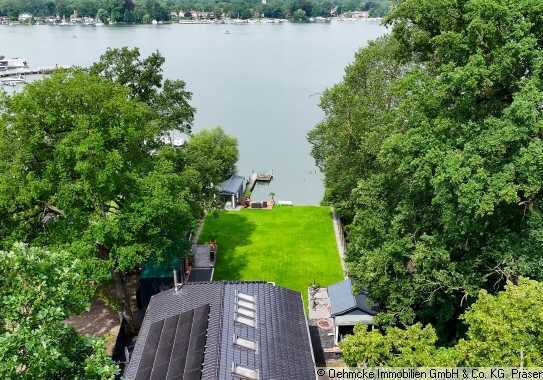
[(343, 301), (231, 185), (280, 332)]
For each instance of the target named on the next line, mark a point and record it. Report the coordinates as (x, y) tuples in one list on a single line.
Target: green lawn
[(291, 246)]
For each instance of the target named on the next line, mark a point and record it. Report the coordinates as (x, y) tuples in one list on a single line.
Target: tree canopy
[(431, 150), (86, 165), (87, 171), (168, 99), (502, 330), (39, 289)]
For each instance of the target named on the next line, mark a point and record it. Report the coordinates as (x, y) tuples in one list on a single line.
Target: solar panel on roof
[(175, 347), (149, 351)]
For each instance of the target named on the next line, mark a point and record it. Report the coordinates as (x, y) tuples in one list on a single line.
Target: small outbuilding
[(232, 189), (348, 309)]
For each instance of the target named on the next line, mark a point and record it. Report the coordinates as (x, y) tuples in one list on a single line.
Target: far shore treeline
[(144, 11)]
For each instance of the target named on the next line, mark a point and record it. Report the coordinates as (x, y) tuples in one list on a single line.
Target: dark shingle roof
[(281, 334), (231, 185), (343, 301)]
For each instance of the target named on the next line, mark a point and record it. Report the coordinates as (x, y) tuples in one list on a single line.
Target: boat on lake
[(12, 81), (12, 63)]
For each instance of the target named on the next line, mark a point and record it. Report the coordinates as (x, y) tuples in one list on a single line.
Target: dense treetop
[(431, 149), (502, 330), (39, 289)]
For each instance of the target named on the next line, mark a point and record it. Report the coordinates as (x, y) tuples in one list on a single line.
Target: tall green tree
[(358, 116), (213, 154), (452, 204), (82, 169), (39, 289), (168, 99)]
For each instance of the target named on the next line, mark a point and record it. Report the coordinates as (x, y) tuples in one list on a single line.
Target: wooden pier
[(258, 177), (263, 177)]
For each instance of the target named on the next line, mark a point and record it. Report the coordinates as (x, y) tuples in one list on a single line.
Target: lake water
[(261, 82)]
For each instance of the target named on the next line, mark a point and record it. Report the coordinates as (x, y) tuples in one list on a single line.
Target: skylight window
[(246, 321), (245, 343), (247, 305), (245, 373), (246, 297), (246, 313)]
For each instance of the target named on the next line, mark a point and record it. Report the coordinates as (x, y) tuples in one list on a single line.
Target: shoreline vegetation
[(226, 21), (98, 12)]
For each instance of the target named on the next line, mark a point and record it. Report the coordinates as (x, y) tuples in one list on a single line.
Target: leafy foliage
[(39, 289), (143, 77), (450, 203), (85, 165), (358, 117), (503, 330), (412, 347), (213, 154)]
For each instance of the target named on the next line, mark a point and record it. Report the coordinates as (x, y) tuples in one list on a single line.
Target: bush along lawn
[(291, 246)]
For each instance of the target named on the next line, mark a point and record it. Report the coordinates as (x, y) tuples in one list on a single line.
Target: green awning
[(162, 267)]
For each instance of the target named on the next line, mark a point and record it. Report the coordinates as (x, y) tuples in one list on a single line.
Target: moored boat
[(12, 63)]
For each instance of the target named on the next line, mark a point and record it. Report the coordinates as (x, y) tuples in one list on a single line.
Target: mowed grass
[(291, 246)]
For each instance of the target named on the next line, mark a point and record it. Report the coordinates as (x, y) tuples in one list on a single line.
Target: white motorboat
[(12, 63)]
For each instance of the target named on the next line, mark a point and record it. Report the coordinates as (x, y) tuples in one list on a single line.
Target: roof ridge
[(219, 340)]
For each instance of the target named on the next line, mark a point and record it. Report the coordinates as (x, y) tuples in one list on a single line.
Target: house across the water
[(223, 330)]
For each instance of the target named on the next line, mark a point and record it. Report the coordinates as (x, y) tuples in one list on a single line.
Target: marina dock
[(21, 72)]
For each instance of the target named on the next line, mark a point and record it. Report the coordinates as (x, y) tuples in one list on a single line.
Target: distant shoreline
[(205, 22)]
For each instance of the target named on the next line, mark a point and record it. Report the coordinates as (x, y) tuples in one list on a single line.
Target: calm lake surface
[(261, 82)]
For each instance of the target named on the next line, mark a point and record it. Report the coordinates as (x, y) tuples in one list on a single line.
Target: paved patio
[(319, 303)]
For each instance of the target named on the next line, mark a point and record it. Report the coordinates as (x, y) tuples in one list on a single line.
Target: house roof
[(280, 333), (231, 185), (343, 300)]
